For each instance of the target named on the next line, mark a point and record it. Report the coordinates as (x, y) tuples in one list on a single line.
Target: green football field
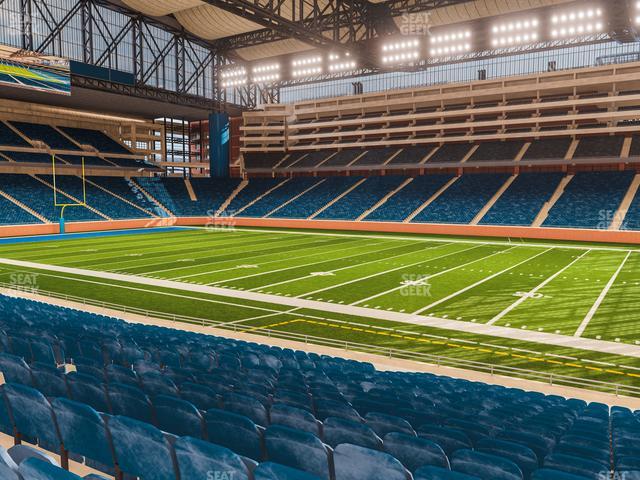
[(566, 308)]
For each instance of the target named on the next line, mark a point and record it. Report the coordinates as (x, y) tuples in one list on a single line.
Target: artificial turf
[(538, 286)]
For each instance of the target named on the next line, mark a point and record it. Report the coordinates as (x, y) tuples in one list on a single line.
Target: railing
[(551, 379)]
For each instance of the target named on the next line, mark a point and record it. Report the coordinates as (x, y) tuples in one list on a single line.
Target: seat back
[(275, 471), (485, 466), (339, 430), (141, 450), (236, 432), (294, 418), (178, 417), (297, 449), (36, 469), (200, 459), (414, 452), (352, 462)]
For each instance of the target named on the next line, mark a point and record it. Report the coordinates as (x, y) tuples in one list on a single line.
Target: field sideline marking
[(445, 239), (359, 279), (529, 336), (480, 282), (535, 290), (350, 266), (449, 343), (302, 265), (600, 299), (442, 272)]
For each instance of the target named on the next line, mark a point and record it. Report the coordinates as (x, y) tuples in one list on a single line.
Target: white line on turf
[(592, 311), (419, 238), (297, 266), (399, 287), (263, 287), (535, 290), (367, 313), (359, 279), (478, 283)]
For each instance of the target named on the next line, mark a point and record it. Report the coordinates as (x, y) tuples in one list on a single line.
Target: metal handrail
[(388, 352)]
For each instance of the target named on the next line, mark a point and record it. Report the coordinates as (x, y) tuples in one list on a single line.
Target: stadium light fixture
[(577, 23), (401, 51), (638, 13), (265, 73), (516, 32), (306, 66), (234, 77), (341, 63), (450, 43)]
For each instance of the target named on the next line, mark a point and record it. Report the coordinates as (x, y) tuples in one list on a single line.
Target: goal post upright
[(63, 206)]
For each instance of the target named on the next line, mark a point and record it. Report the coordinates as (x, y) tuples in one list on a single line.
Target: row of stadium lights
[(584, 21)]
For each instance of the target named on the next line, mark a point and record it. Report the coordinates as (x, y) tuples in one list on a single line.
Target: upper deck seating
[(547, 148), (10, 138), (599, 146), (97, 139), (496, 151), (451, 153), (46, 134)]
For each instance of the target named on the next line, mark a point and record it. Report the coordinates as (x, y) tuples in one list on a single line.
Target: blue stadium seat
[(294, 418), (236, 432), (199, 459), (36, 469), (522, 456), (15, 370), (274, 471), (414, 452), (118, 374), (141, 450), (247, 406), (340, 430), (83, 432), (32, 416), (203, 397), (357, 463), (437, 473), (155, 384), (178, 417), (450, 439), (576, 466), (485, 466), (382, 424), (297, 449), (88, 389), (130, 402), (549, 474), (49, 380)]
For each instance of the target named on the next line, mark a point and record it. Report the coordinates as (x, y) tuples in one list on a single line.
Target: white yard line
[(244, 259), (418, 238), (395, 269), (535, 290), (600, 299), (262, 287), (399, 287), (478, 283), (204, 249), (565, 341), (298, 266)]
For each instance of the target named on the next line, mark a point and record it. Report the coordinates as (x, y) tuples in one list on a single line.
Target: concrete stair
[(621, 213), (342, 195), (122, 199), (494, 199), (430, 200), (192, 193), (256, 200), (153, 199), (24, 207), (295, 198), (233, 195), (384, 200), (544, 211)]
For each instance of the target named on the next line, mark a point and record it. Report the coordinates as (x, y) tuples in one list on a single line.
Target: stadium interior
[(319, 240)]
